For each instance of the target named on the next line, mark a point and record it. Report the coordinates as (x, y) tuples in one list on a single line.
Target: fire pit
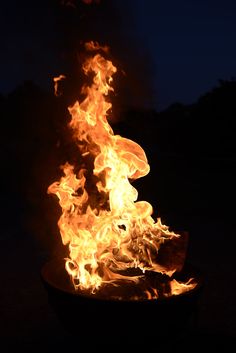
[(104, 314)]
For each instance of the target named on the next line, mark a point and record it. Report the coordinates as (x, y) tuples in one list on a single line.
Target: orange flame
[(107, 230), (180, 287), (56, 84)]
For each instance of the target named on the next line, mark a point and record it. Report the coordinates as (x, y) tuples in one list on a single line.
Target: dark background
[(187, 132)]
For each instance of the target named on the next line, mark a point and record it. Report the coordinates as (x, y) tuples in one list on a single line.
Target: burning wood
[(108, 231)]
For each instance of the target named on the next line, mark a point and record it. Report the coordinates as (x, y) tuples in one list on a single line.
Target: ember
[(112, 238)]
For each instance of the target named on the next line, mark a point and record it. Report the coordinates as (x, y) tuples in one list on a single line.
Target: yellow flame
[(107, 230)]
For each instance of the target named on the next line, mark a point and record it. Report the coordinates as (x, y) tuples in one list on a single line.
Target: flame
[(56, 85), (108, 232), (180, 287)]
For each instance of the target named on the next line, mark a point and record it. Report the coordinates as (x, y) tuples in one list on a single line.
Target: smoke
[(112, 23), (72, 3), (91, 1)]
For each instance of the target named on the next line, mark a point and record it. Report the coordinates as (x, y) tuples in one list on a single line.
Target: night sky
[(179, 49)]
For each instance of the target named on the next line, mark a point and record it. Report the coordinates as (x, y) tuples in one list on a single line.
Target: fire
[(108, 232), (56, 82)]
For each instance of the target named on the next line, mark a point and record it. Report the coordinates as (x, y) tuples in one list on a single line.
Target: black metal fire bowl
[(82, 313)]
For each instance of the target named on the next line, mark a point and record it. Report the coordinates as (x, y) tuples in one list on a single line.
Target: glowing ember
[(109, 233)]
